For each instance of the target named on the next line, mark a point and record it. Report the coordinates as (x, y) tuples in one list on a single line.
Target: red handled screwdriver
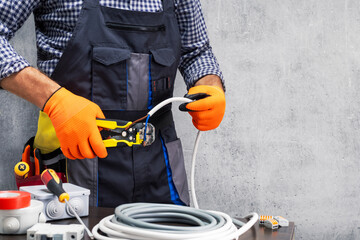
[(54, 184)]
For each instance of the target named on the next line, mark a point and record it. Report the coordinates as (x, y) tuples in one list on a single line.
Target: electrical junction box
[(42, 231), (17, 221), (55, 210)]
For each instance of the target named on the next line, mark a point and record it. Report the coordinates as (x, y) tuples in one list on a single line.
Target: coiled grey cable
[(140, 221), (145, 221)]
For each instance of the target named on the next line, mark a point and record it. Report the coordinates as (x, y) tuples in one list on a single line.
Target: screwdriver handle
[(54, 184), (21, 170)]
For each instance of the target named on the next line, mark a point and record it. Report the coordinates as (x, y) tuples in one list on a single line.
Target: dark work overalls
[(126, 62)]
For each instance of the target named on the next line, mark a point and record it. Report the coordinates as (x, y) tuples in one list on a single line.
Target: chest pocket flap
[(109, 55), (163, 56), (109, 77)]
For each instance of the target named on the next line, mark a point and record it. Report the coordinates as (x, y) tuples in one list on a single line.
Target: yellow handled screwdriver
[(21, 170), (54, 184)]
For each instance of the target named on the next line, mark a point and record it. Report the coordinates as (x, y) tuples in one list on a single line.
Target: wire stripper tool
[(119, 132)]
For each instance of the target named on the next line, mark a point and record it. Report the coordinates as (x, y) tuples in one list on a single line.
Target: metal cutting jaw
[(116, 133)]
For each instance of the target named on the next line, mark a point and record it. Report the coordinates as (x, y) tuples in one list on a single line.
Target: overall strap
[(168, 5), (91, 3)]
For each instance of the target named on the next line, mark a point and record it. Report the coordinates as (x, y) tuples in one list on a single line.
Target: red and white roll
[(14, 200), (18, 212)]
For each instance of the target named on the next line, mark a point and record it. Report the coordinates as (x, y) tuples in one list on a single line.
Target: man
[(115, 59)]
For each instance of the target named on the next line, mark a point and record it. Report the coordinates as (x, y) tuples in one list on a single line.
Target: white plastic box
[(17, 221), (55, 232), (55, 210)]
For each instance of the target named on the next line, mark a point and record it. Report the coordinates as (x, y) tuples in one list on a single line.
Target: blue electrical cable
[(146, 123)]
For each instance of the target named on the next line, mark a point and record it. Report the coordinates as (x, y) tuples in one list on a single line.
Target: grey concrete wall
[(17, 116), (289, 141)]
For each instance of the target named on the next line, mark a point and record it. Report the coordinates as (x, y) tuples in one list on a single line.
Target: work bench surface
[(96, 214)]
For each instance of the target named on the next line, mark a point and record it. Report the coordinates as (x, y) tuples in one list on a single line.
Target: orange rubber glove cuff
[(74, 120), (208, 112)]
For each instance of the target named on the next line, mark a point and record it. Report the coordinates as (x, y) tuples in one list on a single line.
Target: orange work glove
[(74, 120), (208, 108)]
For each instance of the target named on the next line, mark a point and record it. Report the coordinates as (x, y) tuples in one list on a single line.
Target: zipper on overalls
[(120, 26)]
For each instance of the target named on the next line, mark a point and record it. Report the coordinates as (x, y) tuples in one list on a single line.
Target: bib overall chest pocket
[(163, 65), (109, 77), (123, 80)]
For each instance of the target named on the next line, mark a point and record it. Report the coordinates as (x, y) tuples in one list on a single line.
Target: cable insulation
[(192, 176), (145, 221)]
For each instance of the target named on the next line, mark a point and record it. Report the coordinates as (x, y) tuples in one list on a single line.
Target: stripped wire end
[(145, 133), (136, 121)]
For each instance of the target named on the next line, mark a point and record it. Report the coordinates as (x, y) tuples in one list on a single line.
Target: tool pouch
[(38, 162)]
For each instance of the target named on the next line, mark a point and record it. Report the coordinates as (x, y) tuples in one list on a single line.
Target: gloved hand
[(208, 109), (74, 120)]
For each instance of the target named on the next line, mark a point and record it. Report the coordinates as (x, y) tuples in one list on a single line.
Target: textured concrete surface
[(289, 141), (17, 116)]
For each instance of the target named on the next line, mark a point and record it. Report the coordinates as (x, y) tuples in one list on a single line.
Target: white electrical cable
[(192, 176), (166, 102), (79, 219), (139, 221)]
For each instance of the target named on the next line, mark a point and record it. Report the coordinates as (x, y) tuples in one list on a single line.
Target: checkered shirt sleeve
[(197, 58), (13, 15)]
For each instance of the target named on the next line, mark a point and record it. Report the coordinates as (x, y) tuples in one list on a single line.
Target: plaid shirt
[(55, 21)]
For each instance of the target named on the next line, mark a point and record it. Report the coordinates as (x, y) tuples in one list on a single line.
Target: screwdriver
[(54, 184), (21, 170)]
